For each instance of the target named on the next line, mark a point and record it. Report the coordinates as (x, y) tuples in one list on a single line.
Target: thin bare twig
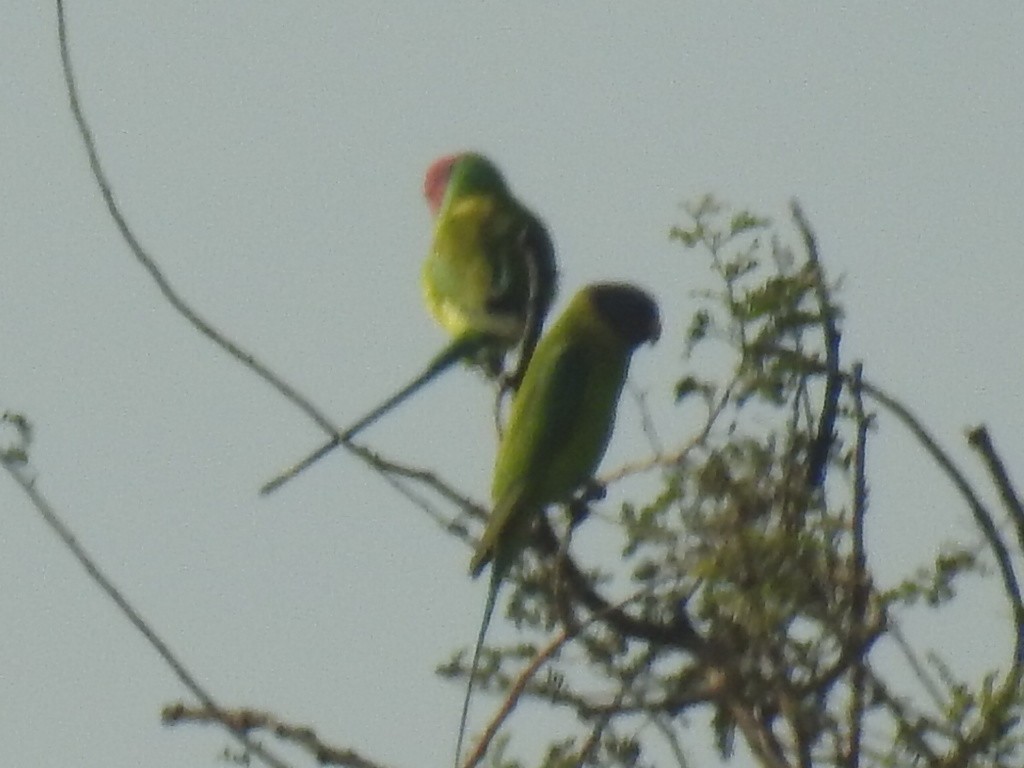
[(661, 460), (665, 729), (513, 696), (249, 720), (858, 605), (910, 725), (143, 257), (982, 517), (818, 456), (183, 307), (980, 440), (71, 543), (515, 693), (424, 477), (593, 739), (920, 672), (647, 421)]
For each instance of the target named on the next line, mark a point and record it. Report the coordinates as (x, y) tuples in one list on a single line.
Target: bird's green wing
[(508, 527), (491, 266), (545, 421), (471, 280)]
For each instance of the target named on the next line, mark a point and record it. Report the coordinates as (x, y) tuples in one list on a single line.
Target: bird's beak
[(655, 330)]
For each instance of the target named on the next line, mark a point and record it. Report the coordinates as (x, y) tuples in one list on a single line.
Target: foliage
[(752, 598)]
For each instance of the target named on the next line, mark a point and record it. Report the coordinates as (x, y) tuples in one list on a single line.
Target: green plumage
[(559, 426), (490, 272)]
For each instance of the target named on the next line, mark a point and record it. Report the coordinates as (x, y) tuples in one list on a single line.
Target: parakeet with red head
[(489, 280), (490, 273)]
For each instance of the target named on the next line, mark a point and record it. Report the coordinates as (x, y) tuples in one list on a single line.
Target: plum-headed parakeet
[(559, 426), (489, 280), (490, 275)]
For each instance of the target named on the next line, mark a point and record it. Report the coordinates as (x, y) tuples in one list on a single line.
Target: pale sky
[(270, 157)]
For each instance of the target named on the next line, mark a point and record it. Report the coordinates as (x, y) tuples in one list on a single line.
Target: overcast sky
[(270, 157)]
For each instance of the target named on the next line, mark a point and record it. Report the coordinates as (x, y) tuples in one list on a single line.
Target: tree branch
[(679, 633), (982, 517), (513, 696), (143, 257), (248, 720), (858, 606), (70, 542), (978, 438), (817, 459), (586, 752), (909, 725)]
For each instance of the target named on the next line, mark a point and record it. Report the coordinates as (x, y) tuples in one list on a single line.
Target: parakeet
[(490, 273), (559, 425), (489, 280)]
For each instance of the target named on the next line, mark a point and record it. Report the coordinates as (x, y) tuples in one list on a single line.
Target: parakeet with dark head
[(560, 424), (490, 274)]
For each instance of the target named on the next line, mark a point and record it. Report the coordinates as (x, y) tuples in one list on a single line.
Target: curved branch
[(143, 257), (183, 308), (70, 542), (679, 633), (818, 456), (979, 439), (982, 517)]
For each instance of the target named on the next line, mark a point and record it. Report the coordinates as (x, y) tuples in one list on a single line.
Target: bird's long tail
[(462, 348), (492, 596)]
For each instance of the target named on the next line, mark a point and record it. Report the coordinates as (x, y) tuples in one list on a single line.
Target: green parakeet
[(559, 425), (489, 280), (490, 274)]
